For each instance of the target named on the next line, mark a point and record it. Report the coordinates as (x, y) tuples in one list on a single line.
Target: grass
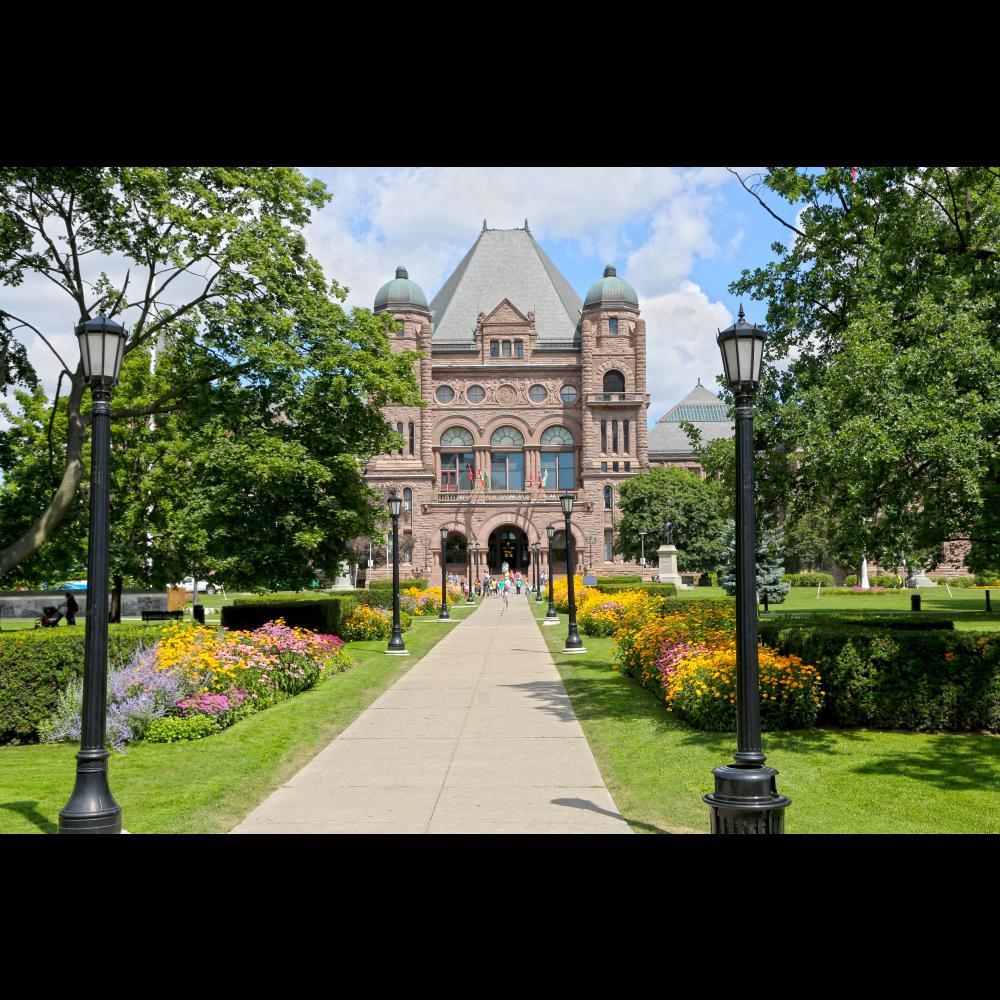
[(965, 607), (210, 785), (840, 781)]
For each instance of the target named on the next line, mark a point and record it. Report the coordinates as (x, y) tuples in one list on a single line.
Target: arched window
[(399, 431), (507, 466), (609, 498), (509, 436), (558, 466), (614, 381), (411, 437), (457, 465), (609, 546), (407, 499), (557, 436), (457, 435)]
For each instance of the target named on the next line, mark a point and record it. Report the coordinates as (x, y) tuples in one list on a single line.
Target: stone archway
[(508, 544)]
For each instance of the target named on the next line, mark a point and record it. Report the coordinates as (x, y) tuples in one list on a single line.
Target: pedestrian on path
[(505, 593)]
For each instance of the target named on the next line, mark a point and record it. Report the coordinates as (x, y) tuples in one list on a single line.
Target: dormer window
[(494, 348), (506, 348), (518, 348)]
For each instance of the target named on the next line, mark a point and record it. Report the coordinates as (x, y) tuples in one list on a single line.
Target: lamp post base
[(91, 807), (746, 800), (574, 649), (550, 621)]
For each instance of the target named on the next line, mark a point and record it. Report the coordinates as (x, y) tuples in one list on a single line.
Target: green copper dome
[(401, 295), (611, 292)]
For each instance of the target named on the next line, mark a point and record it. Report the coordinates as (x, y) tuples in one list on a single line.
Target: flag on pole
[(486, 479), (854, 175), (529, 481), (472, 478)]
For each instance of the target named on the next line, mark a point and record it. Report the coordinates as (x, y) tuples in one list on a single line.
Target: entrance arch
[(508, 544)]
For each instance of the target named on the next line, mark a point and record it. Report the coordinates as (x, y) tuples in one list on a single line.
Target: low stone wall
[(29, 603)]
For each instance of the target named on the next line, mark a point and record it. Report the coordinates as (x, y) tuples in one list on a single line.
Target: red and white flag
[(529, 481), (854, 175)]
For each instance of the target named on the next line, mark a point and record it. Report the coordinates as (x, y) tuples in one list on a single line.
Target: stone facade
[(516, 401)]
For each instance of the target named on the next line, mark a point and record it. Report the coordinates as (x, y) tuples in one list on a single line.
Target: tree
[(769, 565), (883, 371), (695, 506), (249, 399)]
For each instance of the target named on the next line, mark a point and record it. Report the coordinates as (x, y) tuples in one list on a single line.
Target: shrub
[(919, 679), (173, 728), (601, 614), (419, 583), (624, 578), (851, 580), (560, 592), (809, 579), (321, 614), (958, 582), (659, 589), (35, 666), (702, 689), (368, 623)]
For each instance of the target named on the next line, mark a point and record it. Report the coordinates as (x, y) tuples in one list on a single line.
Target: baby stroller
[(50, 618)]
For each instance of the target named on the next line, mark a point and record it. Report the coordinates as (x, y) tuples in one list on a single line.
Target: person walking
[(505, 593), (517, 581), (71, 609)]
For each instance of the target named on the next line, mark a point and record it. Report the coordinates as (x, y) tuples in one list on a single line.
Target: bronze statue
[(668, 532)]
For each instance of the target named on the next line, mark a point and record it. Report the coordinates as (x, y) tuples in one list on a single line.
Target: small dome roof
[(611, 292), (401, 295)]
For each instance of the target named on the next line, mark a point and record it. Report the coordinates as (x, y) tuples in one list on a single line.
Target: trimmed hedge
[(36, 665), (321, 614), (808, 579), (624, 578), (403, 584), (889, 678), (655, 589), (906, 622), (670, 605)]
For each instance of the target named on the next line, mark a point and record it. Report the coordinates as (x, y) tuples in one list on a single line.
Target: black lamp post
[(91, 807), (396, 645), (537, 549), (746, 798), (468, 578), (443, 616), (551, 618), (574, 644)]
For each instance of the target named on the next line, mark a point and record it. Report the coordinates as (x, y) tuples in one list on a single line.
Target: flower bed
[(367, 623), (685, 651), (196, 672)]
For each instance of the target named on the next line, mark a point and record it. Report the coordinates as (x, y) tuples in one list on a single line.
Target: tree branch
[(157, 405), (954, 203), (23, 322), (52, 420), (760, 201)]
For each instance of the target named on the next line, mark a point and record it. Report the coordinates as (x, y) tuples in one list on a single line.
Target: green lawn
[(965, 607), (840, 781), (209, 785)]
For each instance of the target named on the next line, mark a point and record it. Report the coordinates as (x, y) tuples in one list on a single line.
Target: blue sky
[(679, 235)]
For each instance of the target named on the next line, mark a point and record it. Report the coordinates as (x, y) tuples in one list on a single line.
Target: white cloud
[(681, 328)]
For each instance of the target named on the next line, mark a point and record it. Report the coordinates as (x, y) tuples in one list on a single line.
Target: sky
[(678, 235)]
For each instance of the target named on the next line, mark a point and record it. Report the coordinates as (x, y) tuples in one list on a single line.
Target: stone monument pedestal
[(667, 555)]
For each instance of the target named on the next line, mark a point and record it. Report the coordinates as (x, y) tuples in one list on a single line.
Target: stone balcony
[(501, 496), (615, 398)]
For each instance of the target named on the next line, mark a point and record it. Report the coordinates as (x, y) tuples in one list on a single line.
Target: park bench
[(152, 616)]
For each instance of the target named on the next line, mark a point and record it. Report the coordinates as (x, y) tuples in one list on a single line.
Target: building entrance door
[(508, 545)]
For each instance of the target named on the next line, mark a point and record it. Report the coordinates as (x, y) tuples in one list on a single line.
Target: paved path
[(479, 737)]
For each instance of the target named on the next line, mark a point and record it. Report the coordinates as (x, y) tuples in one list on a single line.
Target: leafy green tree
[(249, 399), (695, 506), (882, 374)]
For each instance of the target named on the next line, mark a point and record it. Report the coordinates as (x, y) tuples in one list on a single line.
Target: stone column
[(667, 555)]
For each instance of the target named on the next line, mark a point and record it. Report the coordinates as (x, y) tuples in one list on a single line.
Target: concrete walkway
[(479, 737)]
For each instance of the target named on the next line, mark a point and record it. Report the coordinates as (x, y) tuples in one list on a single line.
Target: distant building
[(669, 445), (531, 391)]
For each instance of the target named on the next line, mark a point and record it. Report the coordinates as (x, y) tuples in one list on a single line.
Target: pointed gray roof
[(506, 264), (703, 409)]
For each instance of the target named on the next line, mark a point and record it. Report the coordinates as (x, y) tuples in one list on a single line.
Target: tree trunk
[(40, 532)]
